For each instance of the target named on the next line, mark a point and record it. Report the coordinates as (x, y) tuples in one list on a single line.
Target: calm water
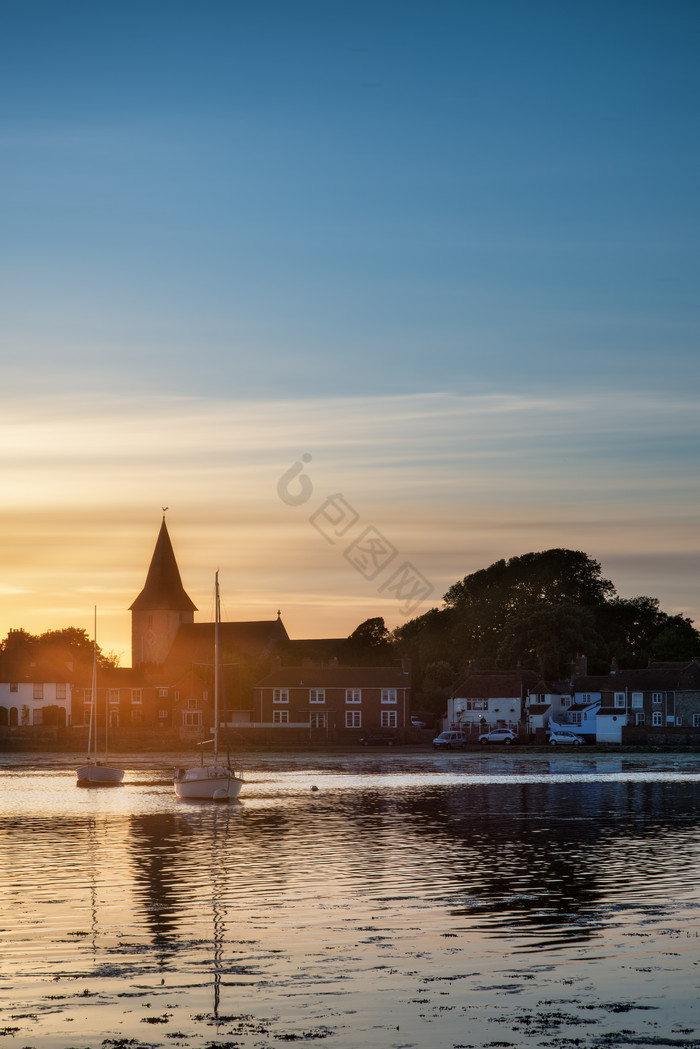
[(412, 899)]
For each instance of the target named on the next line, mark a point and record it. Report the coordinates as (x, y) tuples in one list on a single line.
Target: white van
[(448, 740)]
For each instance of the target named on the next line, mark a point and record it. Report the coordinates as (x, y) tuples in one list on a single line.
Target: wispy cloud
[(452, 482)]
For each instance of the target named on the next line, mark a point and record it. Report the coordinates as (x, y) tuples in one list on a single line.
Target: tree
[(486, 601), (370, 643), (548, 639)]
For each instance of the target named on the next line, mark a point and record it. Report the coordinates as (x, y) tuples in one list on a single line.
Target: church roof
[(194, 642), (163, 589)]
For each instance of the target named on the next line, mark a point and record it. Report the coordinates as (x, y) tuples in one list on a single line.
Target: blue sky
[(329, 210)]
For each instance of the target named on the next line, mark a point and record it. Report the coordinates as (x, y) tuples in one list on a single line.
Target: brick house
[(333, 702)]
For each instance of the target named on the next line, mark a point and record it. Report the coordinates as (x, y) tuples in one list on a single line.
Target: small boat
[(96, 773), (214, 781)]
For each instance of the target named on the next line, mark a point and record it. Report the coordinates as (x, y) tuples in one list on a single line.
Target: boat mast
[(217, 616), (92, 734)]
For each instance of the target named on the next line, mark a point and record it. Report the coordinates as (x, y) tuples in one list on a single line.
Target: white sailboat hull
[(99, 775), (211, 782)]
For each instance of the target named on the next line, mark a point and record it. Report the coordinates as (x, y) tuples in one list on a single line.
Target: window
[(474, 704), (61, 691), (280, 695), (191, 704), (639, 719), (656, 717), (637, 699), (620, 699), (162, 692), (13, 686), (353, 719), (585, 697), (113, 696), (575, 717), (135, 716), (38, 691), (192, 718), (566, 701), (656, 697), (388, 719), (679, 721), (137, 695), (280, 717), (353, 695), (388, 695), (696, 720), (318, 720), (162, 715), (317, 695)]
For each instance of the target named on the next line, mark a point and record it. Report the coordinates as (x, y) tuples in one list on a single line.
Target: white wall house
[(23, 702), (483, 700)]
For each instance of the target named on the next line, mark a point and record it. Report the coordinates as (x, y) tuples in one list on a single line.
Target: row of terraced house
[(656, 705)]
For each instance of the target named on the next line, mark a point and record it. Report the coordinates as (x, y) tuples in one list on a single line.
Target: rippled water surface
[(369, 899)]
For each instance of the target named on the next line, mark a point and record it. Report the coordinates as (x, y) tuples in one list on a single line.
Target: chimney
[(613, 666)]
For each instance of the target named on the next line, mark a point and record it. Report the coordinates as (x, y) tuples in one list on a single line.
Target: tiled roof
[(335, 677), (493, 684), (656, 678)]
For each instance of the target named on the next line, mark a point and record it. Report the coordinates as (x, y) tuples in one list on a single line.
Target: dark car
[(378, 739)]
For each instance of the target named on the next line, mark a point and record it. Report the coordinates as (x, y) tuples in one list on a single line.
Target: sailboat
[(214, 781), (96, 773)]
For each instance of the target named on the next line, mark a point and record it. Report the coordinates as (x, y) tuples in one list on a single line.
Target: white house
[(25, 702)]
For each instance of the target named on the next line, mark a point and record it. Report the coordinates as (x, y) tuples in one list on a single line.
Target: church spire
[(161, 608), (163, 590)]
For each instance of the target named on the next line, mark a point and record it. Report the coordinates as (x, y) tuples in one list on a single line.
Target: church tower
[(161, 607)]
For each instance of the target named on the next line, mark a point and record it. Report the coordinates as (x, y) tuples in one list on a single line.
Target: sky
[(369, 295)]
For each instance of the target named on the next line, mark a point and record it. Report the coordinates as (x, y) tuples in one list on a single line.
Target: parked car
[(417, 723), (448, 740), (498, 735), (378, 739), (565, 737)]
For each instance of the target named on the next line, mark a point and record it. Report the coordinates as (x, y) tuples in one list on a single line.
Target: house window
[(137, 695), (656, 717), (473, 704), (639, 719), (13, 686), (353, 719), (192, 718), (280, 717), (566, 701), (388, 719), (162, 692), (585, 697), (696, 720), (620, 699), (388, 695), (280, 695), (61, 691), (637, 699), (353, 695), (318, 720), (656, 697), (38, 691), (136, 715), (162, 715), (317, 695), (679, 721), (575, 717), (191, 704), (113, 695)]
